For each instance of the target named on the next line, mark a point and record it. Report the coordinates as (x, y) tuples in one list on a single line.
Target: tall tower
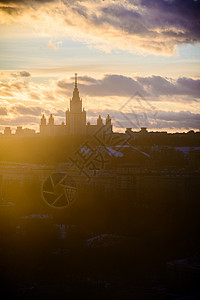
[(43, 120), (76, 116), (76, 102), (51, 120), (108, 126), (51, 126), (99, 121), (43, 125)]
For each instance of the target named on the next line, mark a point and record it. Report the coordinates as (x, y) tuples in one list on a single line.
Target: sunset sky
[(139, 58)]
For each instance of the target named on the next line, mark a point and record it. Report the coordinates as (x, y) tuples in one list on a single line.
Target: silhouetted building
[(75, 124), (75, 120), (24, 131), (76, 116), (7, 131), (143, 130)]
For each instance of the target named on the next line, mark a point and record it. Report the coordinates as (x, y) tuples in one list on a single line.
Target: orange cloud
[(23, 98), (142, 26), (54, 45)]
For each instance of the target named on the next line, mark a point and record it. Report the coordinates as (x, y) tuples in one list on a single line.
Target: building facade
[(75, 123)]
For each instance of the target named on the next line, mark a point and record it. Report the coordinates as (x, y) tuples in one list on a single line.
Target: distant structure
[(7, 131), (76, 116), (24, 131), (75, 124), (20, 132), (75, 120)]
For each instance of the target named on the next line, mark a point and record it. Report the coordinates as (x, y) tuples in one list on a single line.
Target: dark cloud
[(28, 2), (21, 74), (182, 15), (131, 21), (31, 111), (158, 85), (86, 79), (118, 85), (35, 111), (155, 19), (151, 119), (25, 74), (189, 86), (110, 85), (19, 6), (176, 116), (156, 26), (13, 11)]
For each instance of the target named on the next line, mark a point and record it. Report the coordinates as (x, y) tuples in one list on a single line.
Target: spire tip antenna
[(76, 79)]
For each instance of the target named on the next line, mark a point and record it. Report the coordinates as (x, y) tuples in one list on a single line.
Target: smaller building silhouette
[(7, 131)]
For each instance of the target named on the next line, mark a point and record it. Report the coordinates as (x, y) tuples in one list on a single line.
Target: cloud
[(21, 74), (25, 74), (3, 111), (59, 113), (182, 120), (157, 85), (151, 88), (109, 85), (28, 116), (32, 111), (145, 26), (22, 98), (86, 79), (27, 90), (34, 96), (19, 109), (162, 120), (19, 121), (55, 45), (119, 85)]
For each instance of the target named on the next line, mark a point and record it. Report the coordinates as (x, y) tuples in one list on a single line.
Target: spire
[(99, 121), (76, 80), (108, 119), (76, 92), (43, 120), (76, 101), (51, 120)]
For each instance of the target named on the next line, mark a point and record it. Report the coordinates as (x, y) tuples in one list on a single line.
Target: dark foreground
[(44, 260)]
